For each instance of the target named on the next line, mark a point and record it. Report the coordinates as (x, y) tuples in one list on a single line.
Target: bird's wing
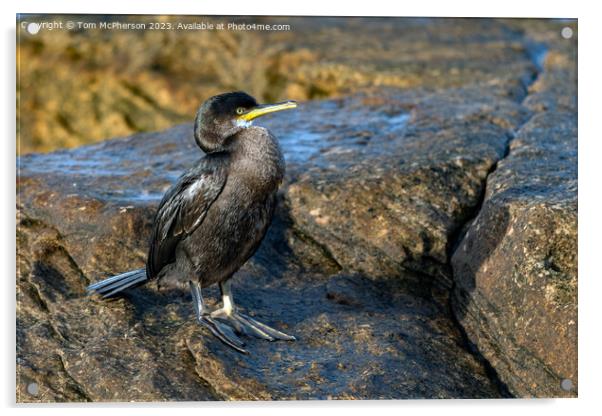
[(183, 209)]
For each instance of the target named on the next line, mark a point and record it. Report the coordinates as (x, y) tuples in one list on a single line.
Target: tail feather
[(115, 284)]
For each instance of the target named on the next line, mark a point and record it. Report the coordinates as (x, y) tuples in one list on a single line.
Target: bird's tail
[(113, 285)]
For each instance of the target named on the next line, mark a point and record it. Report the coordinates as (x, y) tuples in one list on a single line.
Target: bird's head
[(224, 115)]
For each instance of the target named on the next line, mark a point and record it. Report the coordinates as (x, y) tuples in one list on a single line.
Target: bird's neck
[(258, 157)]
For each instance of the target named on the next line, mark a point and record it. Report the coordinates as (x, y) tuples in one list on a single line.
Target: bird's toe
[(224, 333), (266, 331)]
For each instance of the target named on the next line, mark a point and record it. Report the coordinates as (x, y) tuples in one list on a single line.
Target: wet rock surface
[(380, 187), (394, 203), (358, 336)]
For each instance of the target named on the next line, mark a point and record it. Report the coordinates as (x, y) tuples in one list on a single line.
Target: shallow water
[(305, 137)]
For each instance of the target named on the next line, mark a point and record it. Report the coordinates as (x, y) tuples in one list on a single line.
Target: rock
[(516, 268), (394, 202), (146, 346), (85, 214)]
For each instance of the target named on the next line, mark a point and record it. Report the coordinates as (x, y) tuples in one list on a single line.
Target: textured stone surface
[(395, 202), (359, 336), (516, 268)]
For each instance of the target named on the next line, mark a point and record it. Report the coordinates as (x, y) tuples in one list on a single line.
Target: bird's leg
[(221, 331), (243, 323)]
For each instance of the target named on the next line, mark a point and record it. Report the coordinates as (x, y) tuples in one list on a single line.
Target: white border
[(507, 8), (589, 188)]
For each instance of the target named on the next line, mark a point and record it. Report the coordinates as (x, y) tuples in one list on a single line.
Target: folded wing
[(184, 208)]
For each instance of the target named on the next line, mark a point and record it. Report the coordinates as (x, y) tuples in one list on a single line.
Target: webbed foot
[(222, 332)]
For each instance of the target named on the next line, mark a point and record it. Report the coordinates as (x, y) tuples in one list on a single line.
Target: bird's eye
[(240, 110)]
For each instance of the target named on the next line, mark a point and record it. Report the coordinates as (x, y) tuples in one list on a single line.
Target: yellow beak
[(262, 110)]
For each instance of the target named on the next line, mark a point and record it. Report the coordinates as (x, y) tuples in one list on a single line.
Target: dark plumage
[(215, 216)]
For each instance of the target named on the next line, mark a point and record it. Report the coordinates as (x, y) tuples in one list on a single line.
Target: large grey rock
[(85, 214), (395, 202)]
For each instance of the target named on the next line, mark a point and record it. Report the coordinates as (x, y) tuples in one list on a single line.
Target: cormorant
[(212, 220)]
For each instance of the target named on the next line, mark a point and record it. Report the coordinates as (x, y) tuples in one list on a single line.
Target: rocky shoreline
[(424, 245)]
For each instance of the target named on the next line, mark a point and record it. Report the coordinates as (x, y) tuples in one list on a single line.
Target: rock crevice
[(508, 295)]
